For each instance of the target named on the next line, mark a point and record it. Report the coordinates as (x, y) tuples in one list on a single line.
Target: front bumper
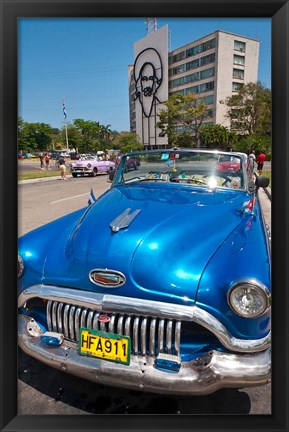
[(81, 170), (201, 376)]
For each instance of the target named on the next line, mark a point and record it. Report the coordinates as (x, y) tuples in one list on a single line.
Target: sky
[(85, 62)]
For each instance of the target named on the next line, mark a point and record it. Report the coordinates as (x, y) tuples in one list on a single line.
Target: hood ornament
[(123, 220), (107, 278)]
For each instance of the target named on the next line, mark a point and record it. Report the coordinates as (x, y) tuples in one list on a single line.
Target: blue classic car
[(162, 284)]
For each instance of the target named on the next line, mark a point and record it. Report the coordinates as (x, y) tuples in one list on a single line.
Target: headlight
[(88, 165), (249, 298), (20, 266)]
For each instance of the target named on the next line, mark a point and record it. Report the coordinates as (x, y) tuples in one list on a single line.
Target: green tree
[(250, 109), (90, 135), (74, 138), (217, 136), (182, 119), (127, 142), (33, 137)]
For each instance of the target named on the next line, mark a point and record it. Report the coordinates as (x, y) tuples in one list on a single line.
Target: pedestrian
[(46, 160), (251, 162), (62, 167), (41, 160), (260, 161)]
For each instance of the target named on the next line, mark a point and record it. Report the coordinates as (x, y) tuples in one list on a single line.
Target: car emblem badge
[(103, 318), (123, 220), (107, 278)]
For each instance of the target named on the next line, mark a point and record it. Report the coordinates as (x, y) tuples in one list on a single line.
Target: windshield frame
[(120, 170)]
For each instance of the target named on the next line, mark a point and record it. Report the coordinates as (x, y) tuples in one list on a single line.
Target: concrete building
[(213, 68)]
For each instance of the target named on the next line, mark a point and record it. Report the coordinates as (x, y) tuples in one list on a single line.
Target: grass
[(28, 175)]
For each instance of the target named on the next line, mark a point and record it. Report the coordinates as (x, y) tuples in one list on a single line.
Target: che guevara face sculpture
[(148, 78)]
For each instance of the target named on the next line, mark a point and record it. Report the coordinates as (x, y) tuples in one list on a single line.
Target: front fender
[(35, 246), (244, 254)]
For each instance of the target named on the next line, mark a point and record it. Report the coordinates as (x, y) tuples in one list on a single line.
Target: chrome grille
[(149, 335)]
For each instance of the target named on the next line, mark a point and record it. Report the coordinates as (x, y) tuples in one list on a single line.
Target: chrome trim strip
[(148, 308), (54, 323), (120, 325), (161, 335), (143, 336), (71, 322), (169, 337), (59, 318), (123, 220), (152, 337), (65, 321), (89, 319), (95, 322), (111, 324), (178, 337), (77, 322), (83, 318), (135, 335), (49, 304), (127, 326)]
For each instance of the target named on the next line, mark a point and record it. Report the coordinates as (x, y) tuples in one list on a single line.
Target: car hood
[(162, 252)]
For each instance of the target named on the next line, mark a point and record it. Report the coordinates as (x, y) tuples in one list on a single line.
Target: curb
[(40, 179)]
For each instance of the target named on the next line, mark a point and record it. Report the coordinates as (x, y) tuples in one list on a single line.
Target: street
[(44, 390)]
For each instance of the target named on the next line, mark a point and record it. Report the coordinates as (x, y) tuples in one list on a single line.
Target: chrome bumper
[(201, 376)]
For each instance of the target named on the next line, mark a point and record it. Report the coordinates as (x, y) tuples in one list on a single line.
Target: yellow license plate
[(107, 346)]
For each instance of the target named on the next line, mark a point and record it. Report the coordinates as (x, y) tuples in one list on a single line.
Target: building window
[(207, 59), (193, 90), (208, 45), (177, 57), (238, 73), (192, 51), (239, 46), (207, 86), (192, 64), (177, 70), (208, 100), (207, 73), (236, 86), (178, 92), (193, 77), (240, 60)]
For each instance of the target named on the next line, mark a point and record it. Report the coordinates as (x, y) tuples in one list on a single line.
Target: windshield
[(207, 169)]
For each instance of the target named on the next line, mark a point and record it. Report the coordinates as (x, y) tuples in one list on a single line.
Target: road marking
[(65, 199)]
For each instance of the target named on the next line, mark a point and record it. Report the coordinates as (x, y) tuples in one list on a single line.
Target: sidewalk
[(265, 201), (40, 179)]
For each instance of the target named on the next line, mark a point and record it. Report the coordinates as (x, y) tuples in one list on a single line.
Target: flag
[(92, 198), (248, 206), (63, 107)]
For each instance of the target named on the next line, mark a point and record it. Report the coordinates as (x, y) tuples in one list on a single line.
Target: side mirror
[(262, 182), (111, 175)]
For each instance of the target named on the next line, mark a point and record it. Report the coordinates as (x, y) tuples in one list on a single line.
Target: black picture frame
[(278, 11)]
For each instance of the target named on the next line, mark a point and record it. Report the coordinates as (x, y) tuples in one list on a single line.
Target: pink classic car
[(91, 167)]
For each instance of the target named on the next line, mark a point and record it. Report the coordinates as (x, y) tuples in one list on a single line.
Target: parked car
[(228, 163), (74, 156), (131, 163), (162, 284), (29, 156), (91, 167)]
